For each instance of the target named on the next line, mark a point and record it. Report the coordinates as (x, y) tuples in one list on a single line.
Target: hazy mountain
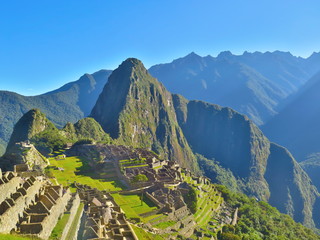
[(137, 110), (253, 83), (297, 125), (312, 166), (265, 169), (69, 103)]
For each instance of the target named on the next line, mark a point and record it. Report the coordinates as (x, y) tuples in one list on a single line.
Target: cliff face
[(291, 189), (267, 171), (137, 110)]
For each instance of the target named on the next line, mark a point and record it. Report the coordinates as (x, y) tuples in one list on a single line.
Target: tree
[(140, 178)]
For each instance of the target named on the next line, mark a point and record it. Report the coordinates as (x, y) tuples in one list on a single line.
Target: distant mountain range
[(258, 85), (69, 103), (297, 126), (254, 84), (137, 110)]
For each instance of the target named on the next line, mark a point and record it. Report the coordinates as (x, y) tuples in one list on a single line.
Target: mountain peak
[(225, 54)]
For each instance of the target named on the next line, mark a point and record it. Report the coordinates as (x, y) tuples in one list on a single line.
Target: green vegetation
[(133, 206), (16, 237), (140, 178), (58, 229), (218, 174), (137, 111), (73, 227), (258, 220), (67, 104), (78, 169), (142, 234), (49, 140), (164, 225), (191, 200)]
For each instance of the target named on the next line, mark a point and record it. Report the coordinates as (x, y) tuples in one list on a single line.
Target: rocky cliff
[(265, 169), (135, 109)]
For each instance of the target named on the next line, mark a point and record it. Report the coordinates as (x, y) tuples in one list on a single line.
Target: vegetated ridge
[(69, 103)]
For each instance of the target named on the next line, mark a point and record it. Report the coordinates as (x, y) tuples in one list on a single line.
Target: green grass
[(131, 205), (77, 169), (143, 235), (73, 227), (58, 229), (164, 225), (16, 237)]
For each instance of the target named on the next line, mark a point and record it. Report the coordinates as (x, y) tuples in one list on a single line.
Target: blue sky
[(45, 44)]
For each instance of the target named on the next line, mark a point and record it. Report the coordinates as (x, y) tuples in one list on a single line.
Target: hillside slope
[(267, 170), (297, 125), (137, 110), (69, 103)]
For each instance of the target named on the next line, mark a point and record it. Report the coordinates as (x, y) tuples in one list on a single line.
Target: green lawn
[(131, 205), (77, 169), (16, 237), (141, 234)]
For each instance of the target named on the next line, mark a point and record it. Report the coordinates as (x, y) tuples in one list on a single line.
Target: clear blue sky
[(44, 44)]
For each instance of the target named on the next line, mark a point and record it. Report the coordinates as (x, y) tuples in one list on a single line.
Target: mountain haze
[(253, 83), (297, 125)]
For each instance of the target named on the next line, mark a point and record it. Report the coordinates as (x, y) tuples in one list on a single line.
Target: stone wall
[(56, 211), (8, 186), (50, 206), (75, 203), (12, 209)]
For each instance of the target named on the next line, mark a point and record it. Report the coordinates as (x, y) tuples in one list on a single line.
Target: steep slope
[(312, 167), (69, 103), (34, 135), (297, 125), (137, 110), (265, 170), (253, 83)]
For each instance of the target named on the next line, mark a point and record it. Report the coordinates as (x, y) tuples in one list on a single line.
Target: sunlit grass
[(73, 170)]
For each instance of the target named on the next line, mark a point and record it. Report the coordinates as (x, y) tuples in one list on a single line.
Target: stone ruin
[(103, 218), (31, 205), (156, 171)]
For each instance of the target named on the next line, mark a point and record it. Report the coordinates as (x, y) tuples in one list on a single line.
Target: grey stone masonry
[(12, 209), (42, 217), (8, 185)]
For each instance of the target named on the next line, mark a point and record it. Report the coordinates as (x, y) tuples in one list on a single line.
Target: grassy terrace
[(209, 201), (16, 237), (131, 205), (77, 169), (141, 234)]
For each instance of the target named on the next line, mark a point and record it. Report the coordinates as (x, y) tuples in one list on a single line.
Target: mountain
[(135, 109), (264, 169), (69, 103), (297, 125), (34, 134), (312, 167), (254, 84)]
